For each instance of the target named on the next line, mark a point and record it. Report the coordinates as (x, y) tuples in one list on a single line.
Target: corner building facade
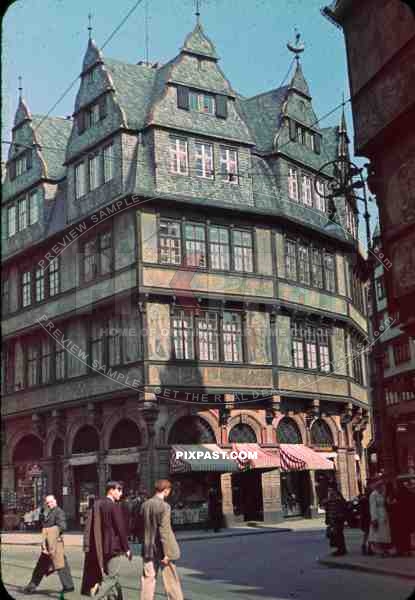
[(169, 280)]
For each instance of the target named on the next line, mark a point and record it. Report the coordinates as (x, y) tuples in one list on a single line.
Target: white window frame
[(80, 180), (34, 207), (108, 155), (228, 160), (54, 277), (179, 156), (232, 338), (26, 288), (197, 102), (11, 221), (306, 190), (93, 172), (208, 336), (320, 201), (23, 213), (204, 160), (293, 184)]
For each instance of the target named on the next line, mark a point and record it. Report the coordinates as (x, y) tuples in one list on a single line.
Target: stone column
[(103, 473), (313, 496), (271, 496), (150, 411), (68, 498), (229, 518), (271, 411), (343, 475)]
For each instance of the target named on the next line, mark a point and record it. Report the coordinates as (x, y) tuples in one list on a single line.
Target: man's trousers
[(170, 578), (43, 568), (110, 585)]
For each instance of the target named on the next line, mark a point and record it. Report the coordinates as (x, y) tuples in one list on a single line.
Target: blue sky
[(44, 41)]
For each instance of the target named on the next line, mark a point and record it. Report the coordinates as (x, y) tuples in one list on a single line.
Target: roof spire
[(298, 46), (343, 137), (89, 26), (20, 88), (197, 13)]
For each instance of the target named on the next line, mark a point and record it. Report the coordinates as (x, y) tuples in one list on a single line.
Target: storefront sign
[(34, 471), (83, 459), (65, 490)]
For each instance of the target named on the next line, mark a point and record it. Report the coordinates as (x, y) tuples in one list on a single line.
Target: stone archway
[(86, 439), (191, 429), (27, 456), (242, 433), (124, 434)]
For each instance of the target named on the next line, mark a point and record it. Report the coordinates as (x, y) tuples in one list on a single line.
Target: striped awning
[(257, 458), (297, 457), (200, 458)]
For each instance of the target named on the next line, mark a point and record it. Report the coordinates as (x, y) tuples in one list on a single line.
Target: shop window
[(242, 433), (321, 434), (288, 432)]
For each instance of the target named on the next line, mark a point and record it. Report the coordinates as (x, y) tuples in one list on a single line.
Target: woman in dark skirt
[(364, 510)]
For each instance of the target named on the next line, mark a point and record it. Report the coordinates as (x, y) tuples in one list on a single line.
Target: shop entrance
[(295, 493), (323, 479), (247, 495), (86, 485)]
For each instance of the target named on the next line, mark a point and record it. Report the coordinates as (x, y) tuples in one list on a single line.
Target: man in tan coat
[(52, 556), (160, 547)]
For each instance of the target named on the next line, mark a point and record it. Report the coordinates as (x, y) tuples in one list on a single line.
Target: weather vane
[(197, 13), (298, 46), (90, 25), (20, 87)]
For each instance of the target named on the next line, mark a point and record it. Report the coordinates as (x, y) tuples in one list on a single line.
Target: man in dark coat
[(105, 542), (214, 510), (54, 517), (405, 512), (336, 512)]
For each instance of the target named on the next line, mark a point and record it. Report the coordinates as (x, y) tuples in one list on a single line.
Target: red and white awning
[(297, 457), (257, 458)]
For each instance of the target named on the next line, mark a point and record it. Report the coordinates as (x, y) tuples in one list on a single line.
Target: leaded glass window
[(288, 432)]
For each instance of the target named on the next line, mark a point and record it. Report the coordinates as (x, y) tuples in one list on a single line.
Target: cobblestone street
[(273, 566)]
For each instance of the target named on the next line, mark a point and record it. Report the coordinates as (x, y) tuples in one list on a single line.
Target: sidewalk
[(251, 528), (354, 560)]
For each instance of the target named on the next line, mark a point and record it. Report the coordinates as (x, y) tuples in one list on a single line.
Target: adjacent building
[(170, 281), (383, 101)]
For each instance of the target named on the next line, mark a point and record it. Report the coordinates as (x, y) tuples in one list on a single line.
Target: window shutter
[(293, 130), (80, 119), (183, 97), (29, 159), (12, 170), (317, 143), (103, 107), (221, 106)]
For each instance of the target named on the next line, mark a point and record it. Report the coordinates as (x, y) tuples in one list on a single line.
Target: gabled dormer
[(193, 94)]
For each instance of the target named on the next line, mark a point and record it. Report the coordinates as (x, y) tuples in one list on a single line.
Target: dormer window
[(20, 165), (91, 115), (201, 102), (305, 136), (90, 76)]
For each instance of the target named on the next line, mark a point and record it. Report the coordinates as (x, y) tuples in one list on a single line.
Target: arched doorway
[(57, 455), (295, 485), (322, 438), (191, 489), (85, 472), (30, 478), (122, 456), (246, 487)]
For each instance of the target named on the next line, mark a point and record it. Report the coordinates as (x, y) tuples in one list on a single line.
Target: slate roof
[(298, 81), (263, 114), (197, 42), (52, 134), (134, 89)]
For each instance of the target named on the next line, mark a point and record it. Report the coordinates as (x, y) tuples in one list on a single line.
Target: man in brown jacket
[(160, 547), (52, 557)]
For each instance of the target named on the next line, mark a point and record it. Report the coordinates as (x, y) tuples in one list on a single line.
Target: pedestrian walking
[(160, 548), (364, 511), (336, 513), (379, 534), (214, 510), (137, 527), (105, 542), (52, 557)]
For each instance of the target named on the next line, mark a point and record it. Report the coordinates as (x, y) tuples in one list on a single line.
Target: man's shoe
[(30, 588), (67, 590)]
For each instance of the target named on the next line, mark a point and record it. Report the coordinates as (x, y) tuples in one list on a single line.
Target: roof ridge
[(277, 89)]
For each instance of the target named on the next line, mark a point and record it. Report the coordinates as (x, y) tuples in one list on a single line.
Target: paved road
[(280, 566)]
